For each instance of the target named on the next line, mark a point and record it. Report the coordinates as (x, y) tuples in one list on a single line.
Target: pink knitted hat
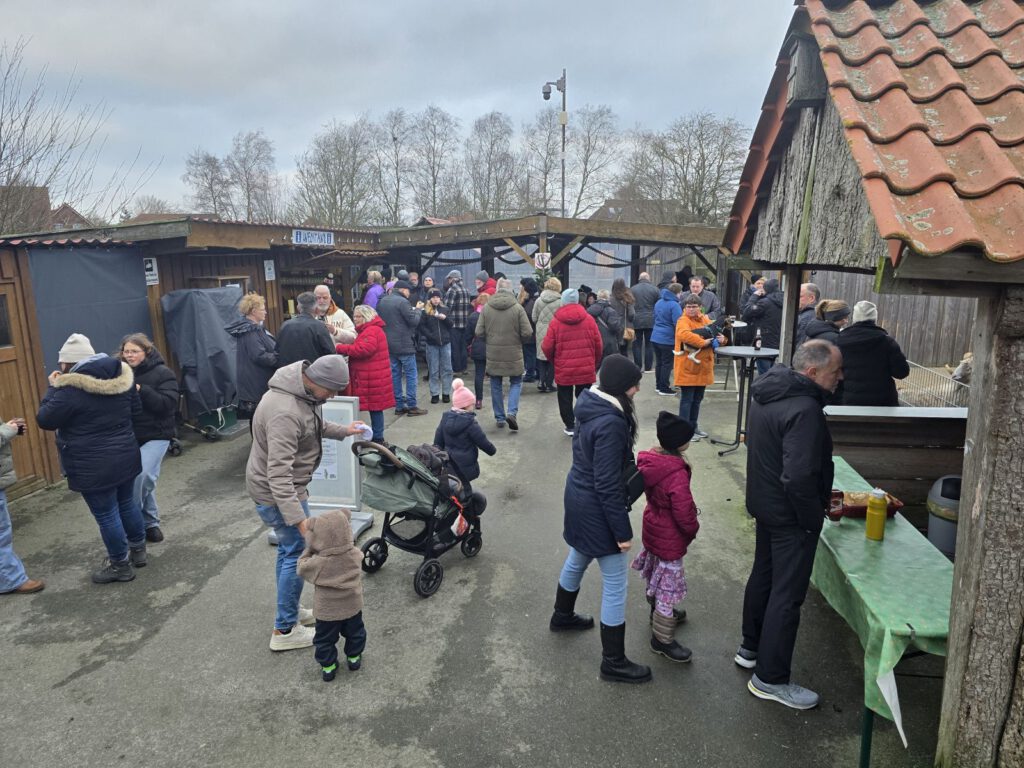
[(462, 398)]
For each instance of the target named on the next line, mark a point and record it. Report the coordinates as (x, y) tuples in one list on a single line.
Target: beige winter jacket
[(505, 327), (287, 430), (331, 562), (345, 329), (7, 475)]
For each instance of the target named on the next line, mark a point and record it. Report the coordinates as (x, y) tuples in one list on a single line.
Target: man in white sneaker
[(287, 430), (789, 481)]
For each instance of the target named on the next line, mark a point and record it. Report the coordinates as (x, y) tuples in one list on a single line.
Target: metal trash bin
[(943, 512)]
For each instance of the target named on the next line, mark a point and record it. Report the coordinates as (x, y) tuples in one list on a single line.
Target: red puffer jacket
[(670, 517), (573, 344), (369, 367)]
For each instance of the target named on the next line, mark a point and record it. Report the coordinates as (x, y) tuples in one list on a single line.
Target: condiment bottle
[(757, 339), (874, 522)]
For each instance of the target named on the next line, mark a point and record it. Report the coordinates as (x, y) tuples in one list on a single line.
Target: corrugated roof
[(932, 101), (61, 241)]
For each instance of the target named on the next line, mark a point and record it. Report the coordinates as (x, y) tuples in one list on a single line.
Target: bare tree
[(493, 170), (435, 170), (50, 148), (210, 183), (593, 149), (542, 142), (335, 184), (392, 149), (250, 169)]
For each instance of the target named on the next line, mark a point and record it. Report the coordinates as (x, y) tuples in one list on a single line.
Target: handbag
[(632, 480)]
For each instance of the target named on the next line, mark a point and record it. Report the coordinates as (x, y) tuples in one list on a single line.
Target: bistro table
[(747, 357), (894, 594)]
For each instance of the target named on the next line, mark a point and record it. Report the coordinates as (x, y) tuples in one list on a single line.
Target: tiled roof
[(21, 242), (931, 96)]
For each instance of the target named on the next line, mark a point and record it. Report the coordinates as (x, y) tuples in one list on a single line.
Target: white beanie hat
[(864, 310), (75, 349)]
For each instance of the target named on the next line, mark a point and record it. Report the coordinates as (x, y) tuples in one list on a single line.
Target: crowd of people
[(115, 415)]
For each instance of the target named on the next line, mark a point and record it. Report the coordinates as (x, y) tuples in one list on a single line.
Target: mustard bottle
[(874, 522)]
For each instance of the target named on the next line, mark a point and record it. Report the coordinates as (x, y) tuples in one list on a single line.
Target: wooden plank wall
[(931, 330)]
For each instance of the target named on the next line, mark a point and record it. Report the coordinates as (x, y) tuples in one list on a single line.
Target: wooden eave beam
[(565, 251), (958, 266), (518, 249), (887, 282)]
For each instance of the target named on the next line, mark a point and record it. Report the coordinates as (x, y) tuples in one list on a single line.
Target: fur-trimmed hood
[(103, 376)]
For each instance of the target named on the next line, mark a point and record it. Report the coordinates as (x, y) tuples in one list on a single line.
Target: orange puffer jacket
[(687, 372)]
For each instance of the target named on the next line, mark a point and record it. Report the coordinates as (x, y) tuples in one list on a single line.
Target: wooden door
[(16, 396)]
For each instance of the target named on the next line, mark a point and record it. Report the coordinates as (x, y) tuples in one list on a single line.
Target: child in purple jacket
[(670, 525)]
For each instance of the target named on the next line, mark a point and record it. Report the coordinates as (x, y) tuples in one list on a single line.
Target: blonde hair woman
[(255, 353)]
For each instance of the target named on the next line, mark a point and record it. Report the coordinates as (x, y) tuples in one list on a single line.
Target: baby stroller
[(424, 513)]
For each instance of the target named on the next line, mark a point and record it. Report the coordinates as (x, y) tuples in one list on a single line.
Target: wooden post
[(634, 264), (486, 260), (791, 286), (983, 696)]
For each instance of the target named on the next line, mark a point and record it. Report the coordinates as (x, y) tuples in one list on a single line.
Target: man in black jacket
[(765, 313), (400, 323), (789, 481), (873, 360), (303, 337), (810, 295)]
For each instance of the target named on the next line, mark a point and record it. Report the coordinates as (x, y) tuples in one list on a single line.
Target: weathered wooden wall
[(931, 330)]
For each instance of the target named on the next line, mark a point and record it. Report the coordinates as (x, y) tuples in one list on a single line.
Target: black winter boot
[(114, 571), (565, 618), (663, 642), (678, 614), (615, 667), (138, 555)]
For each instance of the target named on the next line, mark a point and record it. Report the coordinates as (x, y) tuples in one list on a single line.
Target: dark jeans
[(479, 369), (377, 424), (689, 403), (764, 364), (783, 559), (664, 364), (565, 402), (546, 373), (530, 362), (325, 641), (119, 517), (459, 355), (643, 350)]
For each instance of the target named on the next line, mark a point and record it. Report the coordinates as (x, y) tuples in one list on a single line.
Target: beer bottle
[(757, 339)]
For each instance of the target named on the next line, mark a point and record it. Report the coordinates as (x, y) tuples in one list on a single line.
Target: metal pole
[(564, 120)]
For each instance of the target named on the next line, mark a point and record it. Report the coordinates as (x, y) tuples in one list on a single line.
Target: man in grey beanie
[(287, 432)]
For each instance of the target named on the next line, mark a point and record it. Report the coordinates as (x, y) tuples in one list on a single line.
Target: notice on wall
[(269, 272), (152, 276), (328, 468)]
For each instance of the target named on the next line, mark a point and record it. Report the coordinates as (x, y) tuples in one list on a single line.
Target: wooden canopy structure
[(891, 141)]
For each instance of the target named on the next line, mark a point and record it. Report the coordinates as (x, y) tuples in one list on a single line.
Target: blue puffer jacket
[(666, 312), (460, 435), (92, 408), (596, 516)]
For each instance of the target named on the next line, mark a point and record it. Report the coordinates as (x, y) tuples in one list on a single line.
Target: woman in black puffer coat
[(830, 317), (90, 403), (155, 426)]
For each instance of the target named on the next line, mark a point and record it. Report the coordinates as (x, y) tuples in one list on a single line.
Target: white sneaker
[(299, 637), (306, 617)]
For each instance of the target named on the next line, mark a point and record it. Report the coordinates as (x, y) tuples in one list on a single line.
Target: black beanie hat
[(673, 432), (618, 373)]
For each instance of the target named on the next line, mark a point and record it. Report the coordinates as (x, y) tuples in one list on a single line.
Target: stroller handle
[(358, 445)]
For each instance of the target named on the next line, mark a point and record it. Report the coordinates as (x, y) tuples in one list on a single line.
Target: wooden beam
[(886, 282), (518, 249), (958, 267), (700, 255), (562, 253), (791, 296)]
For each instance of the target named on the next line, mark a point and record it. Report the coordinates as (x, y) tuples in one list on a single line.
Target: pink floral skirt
[(666, 580)]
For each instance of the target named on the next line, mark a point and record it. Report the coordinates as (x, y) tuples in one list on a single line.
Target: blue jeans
[(290, 544), (12, 572), (689, 403), (515, 386), (764, 364), (118, 515), (404, 367), (153, 453), (663, 366), (377, 425), (613, 582), (460, 360), (530, 361), (439, 364)]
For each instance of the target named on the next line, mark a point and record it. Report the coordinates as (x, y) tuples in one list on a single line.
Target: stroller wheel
[(375, 552), (428, 577), (174, 448), (471, 544), (210, 433)]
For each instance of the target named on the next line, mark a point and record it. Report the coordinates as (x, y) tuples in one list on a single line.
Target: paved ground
[(173, 669)]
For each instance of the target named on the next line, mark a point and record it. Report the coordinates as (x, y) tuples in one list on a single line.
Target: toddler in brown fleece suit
[(331, 563)]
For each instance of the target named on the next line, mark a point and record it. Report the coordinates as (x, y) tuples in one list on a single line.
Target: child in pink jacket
[(670, 524)]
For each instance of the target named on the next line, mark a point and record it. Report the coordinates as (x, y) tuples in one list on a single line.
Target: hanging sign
[(312, 237), (542, 259), (152, 276), (269, 273)]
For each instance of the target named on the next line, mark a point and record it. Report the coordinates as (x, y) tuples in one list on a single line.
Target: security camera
[(546, 90)]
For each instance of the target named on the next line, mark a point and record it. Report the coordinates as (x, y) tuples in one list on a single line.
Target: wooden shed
[(891, 142)]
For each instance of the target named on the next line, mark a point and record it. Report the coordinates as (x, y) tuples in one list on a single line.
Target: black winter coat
[(610, 323), (158, 392), (461, 435), (821, 329), (255, 358), (789, 451), (91, 408), (766, 314), (400, 323), (804, 316), (645, 297), (596, 515), (436, 332), (871, 360), (477, 344), (303, 338)]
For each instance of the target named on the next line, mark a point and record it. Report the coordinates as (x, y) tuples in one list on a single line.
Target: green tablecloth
[(894, 594)]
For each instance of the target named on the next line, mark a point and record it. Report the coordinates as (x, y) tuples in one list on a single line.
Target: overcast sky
[(186, 74)]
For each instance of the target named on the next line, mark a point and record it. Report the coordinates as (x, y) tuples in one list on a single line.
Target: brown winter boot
[(664, 642)]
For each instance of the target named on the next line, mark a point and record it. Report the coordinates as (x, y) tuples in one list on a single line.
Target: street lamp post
[(563, 118)]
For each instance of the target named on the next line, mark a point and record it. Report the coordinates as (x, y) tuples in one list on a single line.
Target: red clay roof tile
[(1006, 117), (897, 18), (872, 79), (915, 45), (990, 78), (998, 16), (1011, 46), (929, 78), (947, 17)]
